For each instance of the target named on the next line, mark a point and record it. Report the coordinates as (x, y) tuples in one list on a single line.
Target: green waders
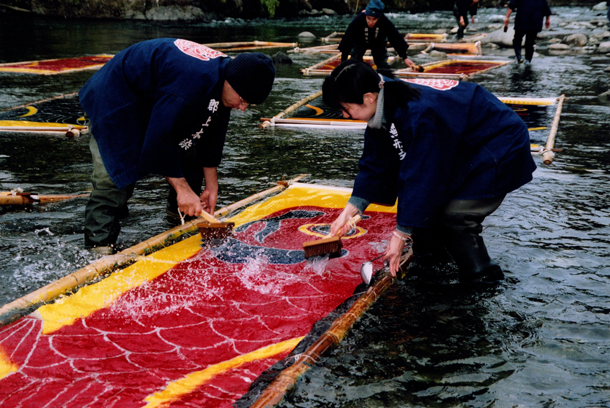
[(106, 205)]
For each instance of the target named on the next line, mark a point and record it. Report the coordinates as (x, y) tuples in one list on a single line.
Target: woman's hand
[(394, 252), (341, 225)]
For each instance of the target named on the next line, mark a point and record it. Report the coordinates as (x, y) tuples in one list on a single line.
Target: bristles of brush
[(320, 247), (215, 230)]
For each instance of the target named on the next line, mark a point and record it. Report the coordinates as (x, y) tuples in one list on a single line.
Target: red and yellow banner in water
[(192, 326)]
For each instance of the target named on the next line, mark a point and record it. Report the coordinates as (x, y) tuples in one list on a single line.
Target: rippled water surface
[(541, 339)]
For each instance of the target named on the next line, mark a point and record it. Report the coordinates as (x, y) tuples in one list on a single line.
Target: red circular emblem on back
[(197, 50)]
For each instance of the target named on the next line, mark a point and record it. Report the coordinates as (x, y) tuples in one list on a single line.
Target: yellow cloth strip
[(191, 382), (25, 123), (6, 365)]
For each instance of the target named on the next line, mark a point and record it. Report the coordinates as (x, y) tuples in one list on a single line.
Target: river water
[(542, 339)]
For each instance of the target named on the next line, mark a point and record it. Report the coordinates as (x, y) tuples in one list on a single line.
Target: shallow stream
[(542, 339)]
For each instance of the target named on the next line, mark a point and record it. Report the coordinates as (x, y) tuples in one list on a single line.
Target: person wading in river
[(528, 23), (448, 150), (162, 107), (371, 30)]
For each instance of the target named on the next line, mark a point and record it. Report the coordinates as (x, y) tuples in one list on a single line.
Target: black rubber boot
[(428, 247), (470, 254)]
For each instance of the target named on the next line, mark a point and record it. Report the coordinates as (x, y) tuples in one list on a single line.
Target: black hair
[(352, 79)]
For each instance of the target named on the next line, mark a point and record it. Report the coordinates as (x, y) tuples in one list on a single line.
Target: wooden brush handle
[(208, 217)]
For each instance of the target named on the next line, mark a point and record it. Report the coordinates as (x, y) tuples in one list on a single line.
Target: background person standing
[(461, 8), (528, 23)]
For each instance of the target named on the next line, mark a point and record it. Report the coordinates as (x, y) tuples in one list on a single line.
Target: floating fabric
[(192, 324), (452, 69), (57, 66), (56, 115), (537, 113)]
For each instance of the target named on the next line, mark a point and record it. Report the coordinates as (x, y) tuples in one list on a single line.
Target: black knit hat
[(374, 8), (251, 75)]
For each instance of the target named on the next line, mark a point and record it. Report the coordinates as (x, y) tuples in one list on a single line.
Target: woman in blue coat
[(528, 23), (448, 151), (162, 107)]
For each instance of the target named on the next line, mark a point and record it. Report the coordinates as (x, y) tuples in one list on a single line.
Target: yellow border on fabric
[(89, 299), (6, 365), (25, 123), (176, 389)]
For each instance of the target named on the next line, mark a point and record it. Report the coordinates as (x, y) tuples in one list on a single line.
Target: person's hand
[(462, 23), (506, 20), (208, 201), (547, 23), (341, 225), (188, 202), (394, 251), (472, 19)]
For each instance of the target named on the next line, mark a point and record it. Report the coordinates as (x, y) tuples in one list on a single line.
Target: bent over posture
[(449, 151), (371, 30), (162, 107)]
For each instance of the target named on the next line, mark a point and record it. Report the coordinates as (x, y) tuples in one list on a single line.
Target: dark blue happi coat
[(153, 102), (359, 33), (456, 141), (530, 14)]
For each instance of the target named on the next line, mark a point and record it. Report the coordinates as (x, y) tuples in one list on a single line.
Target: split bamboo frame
[(548, 155), (20, 307), (290, 109), (287, 379)]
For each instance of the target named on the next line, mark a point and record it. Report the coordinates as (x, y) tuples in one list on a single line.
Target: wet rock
[(607, 69), (600, 6), (578, 40), (305, 35), (604, 97), (604, 47), (438, 54), (280, 58), (174, 13), (499, 37), (329, 12), (559, 47), (306, 5)]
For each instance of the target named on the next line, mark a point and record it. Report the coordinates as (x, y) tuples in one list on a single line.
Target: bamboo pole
[(290, 109), (287, 379), (317, 121), (27, 198), (548, 154), (20, 307), (319, 64)]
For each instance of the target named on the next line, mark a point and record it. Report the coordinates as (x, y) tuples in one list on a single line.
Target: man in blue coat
[(162, 107), (371, 30), (528, 23)]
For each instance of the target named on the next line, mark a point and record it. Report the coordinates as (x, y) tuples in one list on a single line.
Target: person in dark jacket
[(371, 30), (461, 8), (162, 107), (448, 150), (528, 23)]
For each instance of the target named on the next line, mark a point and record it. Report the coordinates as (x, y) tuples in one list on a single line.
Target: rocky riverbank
[(205, 10)]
